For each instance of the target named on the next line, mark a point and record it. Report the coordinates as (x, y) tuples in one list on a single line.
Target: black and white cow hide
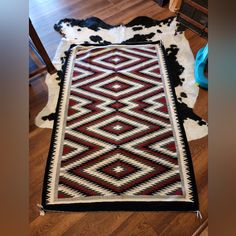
[(140, 30)]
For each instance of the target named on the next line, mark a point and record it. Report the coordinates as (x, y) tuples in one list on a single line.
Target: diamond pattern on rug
[(117, 137), (118, 109), (116, 59)]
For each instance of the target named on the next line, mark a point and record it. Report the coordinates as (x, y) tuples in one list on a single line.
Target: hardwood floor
[(44, 14)]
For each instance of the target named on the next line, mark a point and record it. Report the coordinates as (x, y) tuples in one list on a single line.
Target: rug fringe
[(41, 210), (199, 215)]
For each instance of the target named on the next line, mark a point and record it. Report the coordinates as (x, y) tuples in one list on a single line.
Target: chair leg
[(40, 48)]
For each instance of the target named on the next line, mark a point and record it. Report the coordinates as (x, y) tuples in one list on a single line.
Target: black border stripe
[(184, 137), (121, 206)]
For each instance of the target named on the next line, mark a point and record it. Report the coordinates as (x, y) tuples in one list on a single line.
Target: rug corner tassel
[(199, 215), (41, 210)]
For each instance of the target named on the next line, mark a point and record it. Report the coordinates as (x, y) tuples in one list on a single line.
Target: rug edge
[(184, 136)]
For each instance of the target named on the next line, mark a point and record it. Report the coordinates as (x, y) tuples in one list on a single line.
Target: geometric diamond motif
[(122, 86), (117, 105), (116, 137), (119, 169), (116, 59), (116, 86), (115, 111), (141, 170), (116, 127)]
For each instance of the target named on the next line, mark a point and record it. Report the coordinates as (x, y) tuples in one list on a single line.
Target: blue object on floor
[(199, 67)]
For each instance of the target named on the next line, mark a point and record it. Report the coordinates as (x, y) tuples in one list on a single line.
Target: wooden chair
[(37, 47)]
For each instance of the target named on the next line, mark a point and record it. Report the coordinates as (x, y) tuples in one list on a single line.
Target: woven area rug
[(117, 142), (141, 29)]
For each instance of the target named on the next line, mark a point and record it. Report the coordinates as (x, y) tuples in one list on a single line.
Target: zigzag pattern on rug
[(117, 98), (117, 138)]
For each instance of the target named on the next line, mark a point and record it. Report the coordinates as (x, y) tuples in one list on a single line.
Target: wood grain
[(44, 14)]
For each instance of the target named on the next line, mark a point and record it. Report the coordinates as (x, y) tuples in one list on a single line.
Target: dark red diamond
[(119, 169), (116, 59), (117, 127), (116, 86), (117, 105)]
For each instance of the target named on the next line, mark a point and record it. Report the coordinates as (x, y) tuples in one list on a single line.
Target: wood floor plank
[(98, 223), (54, 223), (44, 15), (128, 13), (135, 225)]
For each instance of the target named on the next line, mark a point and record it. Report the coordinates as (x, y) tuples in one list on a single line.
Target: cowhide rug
[(140, 30)]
